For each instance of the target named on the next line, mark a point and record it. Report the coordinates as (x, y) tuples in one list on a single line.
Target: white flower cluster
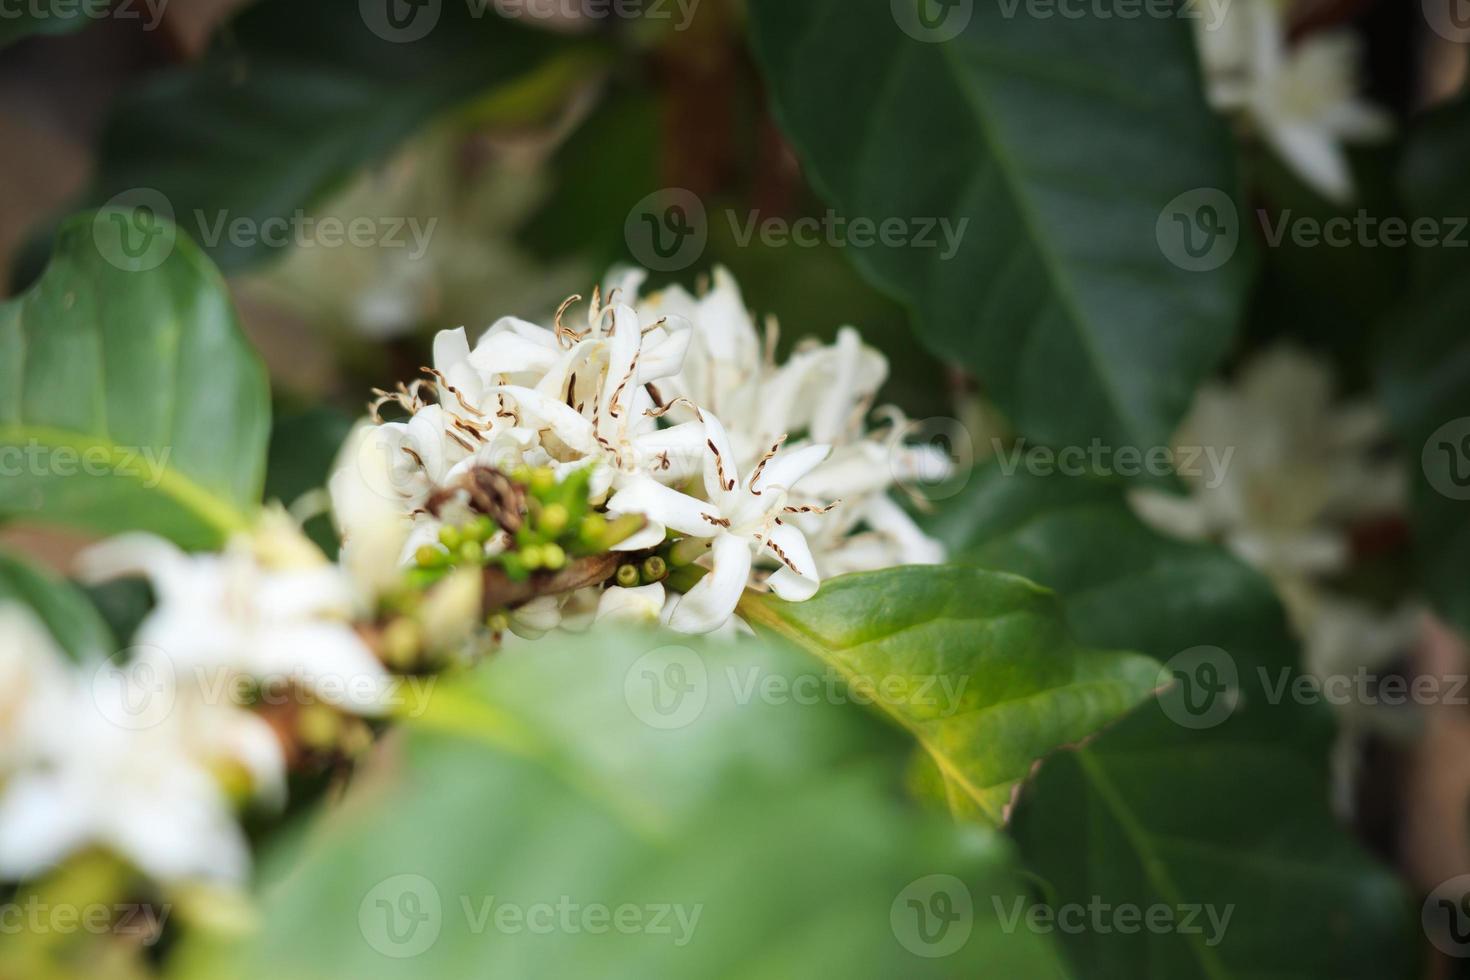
[(678, 407), (671, 408), (1299, 96), (150, 757), (1301, 470)]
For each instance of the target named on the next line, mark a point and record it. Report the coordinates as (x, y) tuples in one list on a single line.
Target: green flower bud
[(515, 566), (429, 556), (450, 537), (627, 576), (472, 552), (654, 569), (553, 557), (554, 520)]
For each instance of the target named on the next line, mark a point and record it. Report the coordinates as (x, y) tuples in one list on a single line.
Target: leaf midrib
[(209, 507)]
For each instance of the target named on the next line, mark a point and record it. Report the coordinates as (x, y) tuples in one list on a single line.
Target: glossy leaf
[(1232, 817), (1055, 149), (979, 668), (573, 777), (129, 399)]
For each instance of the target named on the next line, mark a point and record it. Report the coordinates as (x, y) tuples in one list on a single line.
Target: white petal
[(712, 601), (721, 478), (664, 349), (674, 454), (41, 822), (787, 468), (641, 604), (796, 580), (131, 554), (331, 661), (512, 347), (543, 412), (645, 495)]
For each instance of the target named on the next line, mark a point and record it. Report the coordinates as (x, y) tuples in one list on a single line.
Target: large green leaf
[(128, 396), (1425, 371), (978, 667), (291, 100), (549, 778), (64, 610), (1233, 816), (1066, 144)]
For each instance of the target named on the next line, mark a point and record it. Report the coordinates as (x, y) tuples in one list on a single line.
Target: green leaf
[(1425, 368), (550, 777), (49, 17), (979, 668), (1064, 143), (129, 399), (292, 99), (63, 609), (1233, 816)]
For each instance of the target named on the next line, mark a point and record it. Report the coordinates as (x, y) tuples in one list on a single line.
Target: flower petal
[(796, 580), (712, 601), (644, 495)]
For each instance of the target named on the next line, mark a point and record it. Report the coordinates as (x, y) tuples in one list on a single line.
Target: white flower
[(94, 772), (1286, 470), (740, 516), (1300, 97), (640, 604), (33, 684), (234, 613)]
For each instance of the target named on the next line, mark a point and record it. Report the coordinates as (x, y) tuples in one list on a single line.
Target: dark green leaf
[(292, 99), (1425, 377), (1064, 143), (129, 399), (977, 667), (1233, 816), (551, 778)]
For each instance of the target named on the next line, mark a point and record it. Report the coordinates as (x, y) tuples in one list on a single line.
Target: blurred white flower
[(1300, 97), (240, 612), (87, 769)]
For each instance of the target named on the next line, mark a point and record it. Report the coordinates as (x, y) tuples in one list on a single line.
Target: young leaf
[(129, 399), (740, 832), (1231, 820), (978, 667), (1062, 155)]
